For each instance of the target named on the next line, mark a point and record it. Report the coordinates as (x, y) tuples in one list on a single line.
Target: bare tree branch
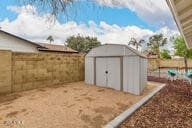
[(55, 7)]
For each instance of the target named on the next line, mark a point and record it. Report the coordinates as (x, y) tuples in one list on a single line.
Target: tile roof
[(55, 48)]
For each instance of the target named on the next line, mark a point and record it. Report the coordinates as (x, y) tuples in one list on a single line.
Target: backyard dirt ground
[(74, 105)]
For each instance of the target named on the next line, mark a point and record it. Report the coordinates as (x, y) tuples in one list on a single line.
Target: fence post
[(159, 71)]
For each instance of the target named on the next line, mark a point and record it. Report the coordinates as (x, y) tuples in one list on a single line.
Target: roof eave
[(175, 16)]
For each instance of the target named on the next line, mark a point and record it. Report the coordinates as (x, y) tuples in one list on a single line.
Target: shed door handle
[(106, 72)]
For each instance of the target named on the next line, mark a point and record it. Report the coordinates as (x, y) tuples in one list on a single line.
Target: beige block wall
[(174, 63), (35, 70), (5, 71)]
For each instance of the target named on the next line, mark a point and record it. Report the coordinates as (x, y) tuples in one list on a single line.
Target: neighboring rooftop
[(55, 48), (44, 46), (182, 13)]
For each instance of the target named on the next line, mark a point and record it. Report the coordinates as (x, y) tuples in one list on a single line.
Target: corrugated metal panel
[(131, 81), (136, 75), (99, 51), (143, 73), (101, 76), (114, 80), (108, 72), (89, 70)]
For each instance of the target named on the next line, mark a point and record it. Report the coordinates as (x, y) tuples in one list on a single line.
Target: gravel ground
[(74, 105), (169, 108)]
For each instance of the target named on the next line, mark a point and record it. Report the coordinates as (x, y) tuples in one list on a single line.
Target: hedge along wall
[(34, 70)]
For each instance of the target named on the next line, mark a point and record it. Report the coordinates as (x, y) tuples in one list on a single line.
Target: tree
[(82, 44), (136, 43), (91, 42), (165, 54), (155, 42), (50, 38), (182, 50), (54, 6)]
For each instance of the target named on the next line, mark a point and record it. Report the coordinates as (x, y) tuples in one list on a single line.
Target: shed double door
[(108, 72)]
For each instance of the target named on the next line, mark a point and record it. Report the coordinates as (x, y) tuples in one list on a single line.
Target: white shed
[(116, 66)]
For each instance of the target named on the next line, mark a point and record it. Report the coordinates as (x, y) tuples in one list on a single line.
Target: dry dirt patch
[(74, 105)]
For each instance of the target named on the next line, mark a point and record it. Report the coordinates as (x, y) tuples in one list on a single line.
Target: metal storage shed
[(116, 66)]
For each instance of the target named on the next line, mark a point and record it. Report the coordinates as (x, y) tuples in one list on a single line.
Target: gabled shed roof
[(114, 50)]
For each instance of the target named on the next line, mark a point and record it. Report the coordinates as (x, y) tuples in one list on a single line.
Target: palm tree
[(50, 38), (136, 43), (155, 42)]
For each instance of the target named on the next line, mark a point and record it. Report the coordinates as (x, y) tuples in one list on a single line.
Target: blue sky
[(119, 16), (4, 12), (88, 11), (111, 21)]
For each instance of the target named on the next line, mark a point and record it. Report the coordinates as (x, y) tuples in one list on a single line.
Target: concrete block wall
[(174, 63), (35, 70), (5, 71)]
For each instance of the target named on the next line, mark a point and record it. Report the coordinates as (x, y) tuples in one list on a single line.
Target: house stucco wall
[(12, 43)]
